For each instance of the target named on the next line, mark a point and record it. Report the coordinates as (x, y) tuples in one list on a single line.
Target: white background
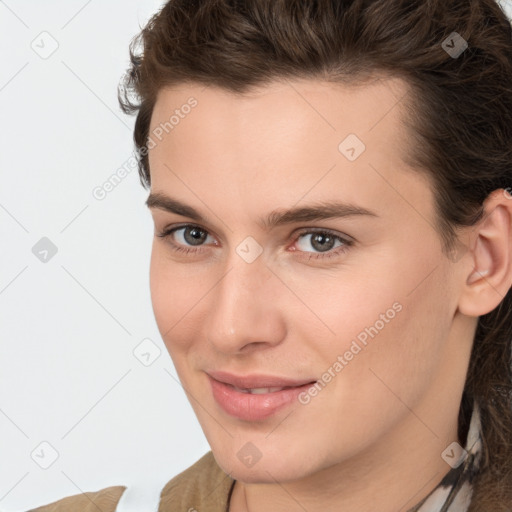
[(68, 327)]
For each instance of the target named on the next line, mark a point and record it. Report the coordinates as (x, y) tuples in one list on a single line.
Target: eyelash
[(329, 254)]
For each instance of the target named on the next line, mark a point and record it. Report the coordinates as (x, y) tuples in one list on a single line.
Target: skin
[(377, 430)]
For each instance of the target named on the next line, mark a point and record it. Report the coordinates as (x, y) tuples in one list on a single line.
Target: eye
[(323, 241), (191, 234), (191, 237)]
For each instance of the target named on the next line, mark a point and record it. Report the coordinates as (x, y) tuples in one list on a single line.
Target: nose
[(246, 308)]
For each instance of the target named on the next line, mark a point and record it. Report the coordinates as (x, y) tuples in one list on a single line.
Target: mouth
[(260, 391), (251, 403), (258, 381)]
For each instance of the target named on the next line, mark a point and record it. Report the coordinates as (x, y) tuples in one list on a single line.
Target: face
[(363, 304)]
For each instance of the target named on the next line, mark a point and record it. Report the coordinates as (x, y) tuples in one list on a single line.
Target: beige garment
[(203, 487)]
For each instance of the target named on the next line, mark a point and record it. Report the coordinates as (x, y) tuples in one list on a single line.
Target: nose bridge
[(242, 310)]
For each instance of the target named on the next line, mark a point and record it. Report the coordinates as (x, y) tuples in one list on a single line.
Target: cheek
[(389, 331), (404, 357), (167, 293), (397, 365), (161, 293), (176, 295)]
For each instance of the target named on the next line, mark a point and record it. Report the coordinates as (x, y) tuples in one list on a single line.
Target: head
[(246, 109)]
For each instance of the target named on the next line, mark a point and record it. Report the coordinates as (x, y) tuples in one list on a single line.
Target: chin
[(268, 469), (264, 473)]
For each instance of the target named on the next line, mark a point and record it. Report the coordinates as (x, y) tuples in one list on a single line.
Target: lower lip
[(249, 407)]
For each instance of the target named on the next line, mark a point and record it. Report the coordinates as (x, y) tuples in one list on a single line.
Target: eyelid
[(169, 230), (302, 231)]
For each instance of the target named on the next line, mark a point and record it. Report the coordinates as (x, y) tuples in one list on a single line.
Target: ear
[(490, 252)]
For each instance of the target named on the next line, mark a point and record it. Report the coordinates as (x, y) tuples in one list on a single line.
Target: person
[(330, 184)]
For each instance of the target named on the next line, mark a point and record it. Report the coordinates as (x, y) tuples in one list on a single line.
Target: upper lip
[(256, 380)]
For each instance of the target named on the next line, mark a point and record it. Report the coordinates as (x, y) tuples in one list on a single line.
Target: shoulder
[(202, 486), (105, 500)]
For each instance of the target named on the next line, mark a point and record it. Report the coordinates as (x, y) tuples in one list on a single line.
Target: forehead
[(281, 142), (267, 120)]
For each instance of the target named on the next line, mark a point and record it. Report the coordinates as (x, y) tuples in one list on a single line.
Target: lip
[(257, 380), (254, 407)]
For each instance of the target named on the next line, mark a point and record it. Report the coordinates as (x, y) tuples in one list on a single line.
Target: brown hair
[(459, 112)]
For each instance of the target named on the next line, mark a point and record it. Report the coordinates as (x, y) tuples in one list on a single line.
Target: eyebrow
[(318, 211)]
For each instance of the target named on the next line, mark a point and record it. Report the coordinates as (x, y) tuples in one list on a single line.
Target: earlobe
[(490, 278)]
